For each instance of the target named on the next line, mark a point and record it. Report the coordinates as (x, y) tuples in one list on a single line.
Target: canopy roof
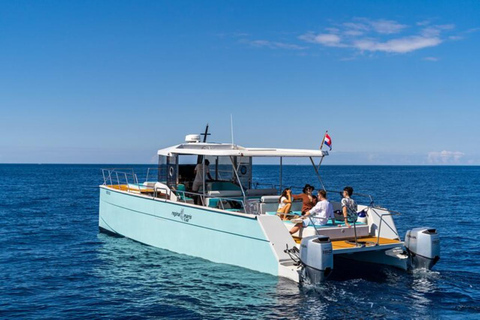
[(223, 149)]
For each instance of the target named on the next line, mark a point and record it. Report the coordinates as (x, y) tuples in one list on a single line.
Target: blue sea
[(56, 265)]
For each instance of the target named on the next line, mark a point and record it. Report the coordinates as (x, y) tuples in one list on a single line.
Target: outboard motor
[(316, 255), (423, 246)]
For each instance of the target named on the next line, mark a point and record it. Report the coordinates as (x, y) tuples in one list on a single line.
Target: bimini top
[(224, 149)]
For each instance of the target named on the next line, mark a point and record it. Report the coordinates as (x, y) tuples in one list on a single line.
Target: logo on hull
[(182, 215)]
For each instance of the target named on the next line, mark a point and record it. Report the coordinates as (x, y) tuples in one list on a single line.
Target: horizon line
[(260, 164)]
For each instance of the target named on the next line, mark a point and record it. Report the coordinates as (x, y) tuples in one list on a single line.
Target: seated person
[(320, 213), (349, 206), (309, 201), (284, 203)]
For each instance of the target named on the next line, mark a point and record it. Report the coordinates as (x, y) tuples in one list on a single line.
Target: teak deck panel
[(344, 244), (124, 187), (370, 241)]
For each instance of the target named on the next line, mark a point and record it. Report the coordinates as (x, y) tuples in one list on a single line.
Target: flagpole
[(321, 146), (323, 141)]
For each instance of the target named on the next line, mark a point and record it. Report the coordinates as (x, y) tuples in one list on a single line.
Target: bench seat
[(329, 223)]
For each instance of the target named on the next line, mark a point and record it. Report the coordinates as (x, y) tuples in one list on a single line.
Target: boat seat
[(329, 223), (261, 192), (180, 192), (291, 213), (228, 204), (225, 193), (333, 231), (222, 186), (336, 232), (270, 203)]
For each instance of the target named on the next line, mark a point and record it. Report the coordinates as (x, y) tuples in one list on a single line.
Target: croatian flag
[(328, 141)]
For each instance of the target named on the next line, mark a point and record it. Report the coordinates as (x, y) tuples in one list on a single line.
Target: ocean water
[(56, 265)]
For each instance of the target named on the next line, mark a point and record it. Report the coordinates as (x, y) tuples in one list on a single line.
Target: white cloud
[(273, 44), (356, 26), (387, 26), (400, 45), (472, 30), (455, 38), (423, 23), (432, 59), (362, 35), (353, 32), (382, 26), (326, 39), (445, 157), (435, 31), (381, 35), (333, 30)]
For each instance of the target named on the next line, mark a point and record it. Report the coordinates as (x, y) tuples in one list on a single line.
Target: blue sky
[(394, 82)]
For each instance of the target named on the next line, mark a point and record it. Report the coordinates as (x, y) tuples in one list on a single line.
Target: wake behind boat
[(201, 201)]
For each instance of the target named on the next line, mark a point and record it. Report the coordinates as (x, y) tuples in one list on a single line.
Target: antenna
[(231, 127), (205, 134), (200, 158)]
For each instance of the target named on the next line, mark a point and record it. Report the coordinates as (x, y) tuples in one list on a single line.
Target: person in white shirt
[(319, 214), (198, 182)]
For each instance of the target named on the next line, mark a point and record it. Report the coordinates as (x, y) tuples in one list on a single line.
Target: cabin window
[(172, 171), (167, 170), (162, 169)]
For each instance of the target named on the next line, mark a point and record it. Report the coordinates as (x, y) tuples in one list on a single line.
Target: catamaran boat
[(232, 219)]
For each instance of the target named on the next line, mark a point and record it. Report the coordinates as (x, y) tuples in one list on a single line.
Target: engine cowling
[(423, 246), (316, 255)]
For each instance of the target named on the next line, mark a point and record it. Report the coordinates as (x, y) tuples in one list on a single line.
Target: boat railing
[(371, 208), (381, 217), (119, 176), (149, 174), (126, 179)]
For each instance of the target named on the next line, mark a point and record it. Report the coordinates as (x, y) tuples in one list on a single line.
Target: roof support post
[(316, 171), (239, 181), (203, 179), (281, 175)]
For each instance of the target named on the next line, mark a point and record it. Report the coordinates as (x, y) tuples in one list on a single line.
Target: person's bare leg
[(296, 228), (285, 211), (281, 213)]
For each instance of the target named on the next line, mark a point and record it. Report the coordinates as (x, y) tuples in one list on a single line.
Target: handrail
[(392, 213), (313, 224), (148, 172)]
